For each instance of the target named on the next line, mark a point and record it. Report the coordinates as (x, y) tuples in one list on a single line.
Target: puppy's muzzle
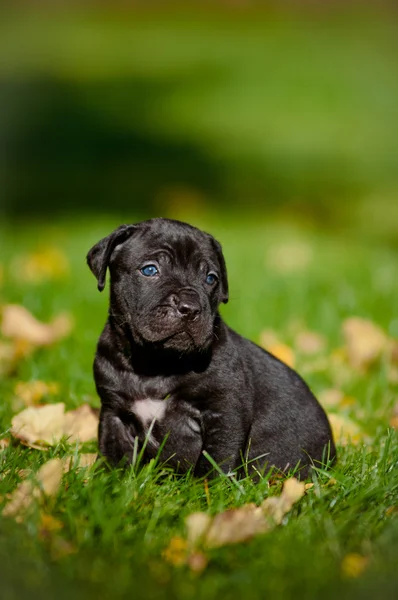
[(186, 304)]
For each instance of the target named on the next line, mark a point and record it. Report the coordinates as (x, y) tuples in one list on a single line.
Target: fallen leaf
[(310, 342), (344, 430), (49, 476), (28, 393), (47, 482), (277, 507), (48, 525), (308, 486), (353, 565), (4, 443), (236, 525), (197, 525), (81, 461), (81, 424), (365, 342), (176, 552), (42, 426), (197, 562), (44, 265), (19, 324), (283, 353), (241, 524)]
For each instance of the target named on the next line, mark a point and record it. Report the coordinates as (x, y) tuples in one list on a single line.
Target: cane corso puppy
[(175, 380)]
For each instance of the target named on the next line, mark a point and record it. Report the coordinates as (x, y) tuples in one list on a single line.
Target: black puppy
[(168, 368)]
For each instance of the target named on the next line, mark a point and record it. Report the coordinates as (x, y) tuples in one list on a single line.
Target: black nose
[(187, 305)]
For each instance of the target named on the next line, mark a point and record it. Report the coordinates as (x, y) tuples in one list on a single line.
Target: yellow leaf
[(284, 353), (20, 325), (365, 342), (46, 425), (43, 265), (176, 551), (344, 430), (48, 525), (354, 565)]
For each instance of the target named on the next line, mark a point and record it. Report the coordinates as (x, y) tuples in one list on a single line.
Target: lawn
[(112, 528)]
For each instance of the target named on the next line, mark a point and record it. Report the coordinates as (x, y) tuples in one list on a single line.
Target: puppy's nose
[(187, 305)]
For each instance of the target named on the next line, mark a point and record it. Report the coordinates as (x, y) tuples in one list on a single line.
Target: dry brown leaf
[(284, 353), (48, 479), (277, 507), (236, 525), (353, 565), (241, 524), (42, 426), (4, 443), (49, 476), (81, 461), (46, 264), (197, 525), (81, 424), (365, 342), (197, 562), (344, 430), (310, 342), (19, 324)]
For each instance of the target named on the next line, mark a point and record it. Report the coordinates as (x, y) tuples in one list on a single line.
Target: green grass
[(119, 524)]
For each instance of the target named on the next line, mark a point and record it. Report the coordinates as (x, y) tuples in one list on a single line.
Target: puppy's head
[(167, 281)]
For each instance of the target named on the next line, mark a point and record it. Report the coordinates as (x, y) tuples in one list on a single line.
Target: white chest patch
[(147, 410)]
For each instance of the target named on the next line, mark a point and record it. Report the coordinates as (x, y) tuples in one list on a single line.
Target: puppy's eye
[(149, 270), (211, 278)]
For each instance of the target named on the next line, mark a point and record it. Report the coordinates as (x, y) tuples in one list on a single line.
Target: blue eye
[(211, 278), (149, 270)]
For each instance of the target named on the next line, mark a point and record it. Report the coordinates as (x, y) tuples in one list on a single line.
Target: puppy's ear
[(99, 256), (223, 269)]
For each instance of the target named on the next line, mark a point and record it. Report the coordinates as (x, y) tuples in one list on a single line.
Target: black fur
[(168, 367)]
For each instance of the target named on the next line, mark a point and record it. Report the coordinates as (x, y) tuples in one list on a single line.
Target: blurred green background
[(287, 109)]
